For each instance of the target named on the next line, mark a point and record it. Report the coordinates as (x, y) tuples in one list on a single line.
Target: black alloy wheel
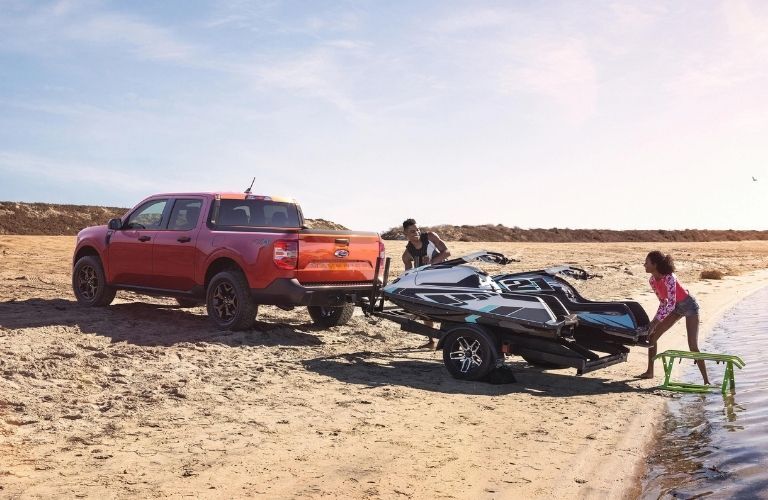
[(90, 284), (469, 352), (229, 302)]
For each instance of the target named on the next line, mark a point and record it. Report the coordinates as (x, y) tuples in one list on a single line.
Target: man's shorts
[(687, 307)]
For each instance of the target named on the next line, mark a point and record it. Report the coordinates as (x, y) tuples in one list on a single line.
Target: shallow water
[(716, 446)]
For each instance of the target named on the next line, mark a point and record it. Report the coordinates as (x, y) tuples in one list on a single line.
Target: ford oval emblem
[(341, 253)]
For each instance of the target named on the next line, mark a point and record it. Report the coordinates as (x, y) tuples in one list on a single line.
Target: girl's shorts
[(687, 307)]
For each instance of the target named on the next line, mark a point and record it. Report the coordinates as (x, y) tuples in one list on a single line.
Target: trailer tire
[(469, 352), (326, 317)]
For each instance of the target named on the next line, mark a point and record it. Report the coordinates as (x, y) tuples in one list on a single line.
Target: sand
[(146, 399)]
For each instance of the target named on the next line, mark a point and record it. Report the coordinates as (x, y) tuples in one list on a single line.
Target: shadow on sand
[(148, 324), (396, 369)]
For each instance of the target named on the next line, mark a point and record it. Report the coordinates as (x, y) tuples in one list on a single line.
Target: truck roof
[(231, 196)]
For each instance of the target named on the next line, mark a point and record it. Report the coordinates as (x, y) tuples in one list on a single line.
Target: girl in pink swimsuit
[(674, 303)]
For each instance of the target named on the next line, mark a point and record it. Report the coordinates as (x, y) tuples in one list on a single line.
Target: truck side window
[(147, 216), (184, 215)]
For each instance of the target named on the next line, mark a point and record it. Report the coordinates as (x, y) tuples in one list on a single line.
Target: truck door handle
[(144, 238), (184, 239), (342, 241)]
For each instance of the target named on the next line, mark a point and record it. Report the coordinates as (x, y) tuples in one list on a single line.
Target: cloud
[(632, 16), (319, 70), (53, 169), (734, 59), (47, 30), (277, 18), (141, 38), (473, 19), (559, 70)]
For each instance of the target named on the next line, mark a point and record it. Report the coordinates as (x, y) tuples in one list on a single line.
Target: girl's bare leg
[(692, 326), (662, 327)]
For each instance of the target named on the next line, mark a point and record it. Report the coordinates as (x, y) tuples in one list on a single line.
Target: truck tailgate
[(337, 257)]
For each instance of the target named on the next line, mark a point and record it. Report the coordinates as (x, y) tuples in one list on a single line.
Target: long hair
[(664, 263)]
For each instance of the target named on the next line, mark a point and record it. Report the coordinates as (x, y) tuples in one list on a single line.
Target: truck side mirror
[(115, 224)]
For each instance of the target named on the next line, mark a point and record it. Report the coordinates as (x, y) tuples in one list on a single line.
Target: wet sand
[(146, 399)]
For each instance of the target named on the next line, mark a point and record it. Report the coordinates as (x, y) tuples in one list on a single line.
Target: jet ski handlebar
[(572, 272)]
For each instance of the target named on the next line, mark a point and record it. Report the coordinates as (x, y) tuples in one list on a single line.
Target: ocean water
[(712, 446)]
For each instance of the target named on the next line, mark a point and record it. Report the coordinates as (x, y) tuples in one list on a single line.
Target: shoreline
[(728, 292)]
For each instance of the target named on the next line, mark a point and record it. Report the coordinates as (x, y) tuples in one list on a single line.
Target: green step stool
[(668, 359)]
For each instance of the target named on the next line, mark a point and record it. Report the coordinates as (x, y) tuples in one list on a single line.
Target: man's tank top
[(419, 253)]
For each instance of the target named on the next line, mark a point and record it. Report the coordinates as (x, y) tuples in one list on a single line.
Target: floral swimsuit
[(670, 293)]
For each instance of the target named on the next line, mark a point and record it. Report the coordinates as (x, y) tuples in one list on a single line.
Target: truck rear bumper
[(289, 292)]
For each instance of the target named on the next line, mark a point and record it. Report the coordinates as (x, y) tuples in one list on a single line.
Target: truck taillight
[(286, 254), (382, 252)]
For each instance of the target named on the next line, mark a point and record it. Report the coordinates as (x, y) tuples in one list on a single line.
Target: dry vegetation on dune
[(47, 219), (499, 233), (51, 219)]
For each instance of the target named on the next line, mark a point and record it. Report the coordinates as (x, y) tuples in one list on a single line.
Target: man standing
[(423, 249)]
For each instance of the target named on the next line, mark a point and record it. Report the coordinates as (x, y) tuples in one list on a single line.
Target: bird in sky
[(754, 178)]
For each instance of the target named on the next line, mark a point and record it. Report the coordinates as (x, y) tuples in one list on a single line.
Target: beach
[(146, 399)]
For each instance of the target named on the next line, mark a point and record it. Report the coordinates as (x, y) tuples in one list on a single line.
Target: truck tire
[(469, 352), (228, 301), (90, 284), (185, 302), (326, 317)]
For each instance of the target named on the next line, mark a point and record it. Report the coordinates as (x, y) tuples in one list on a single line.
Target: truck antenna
[(248, 191)]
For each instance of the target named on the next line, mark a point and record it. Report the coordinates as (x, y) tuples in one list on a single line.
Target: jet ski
[(455, 293), (537, 315), (607, 320)]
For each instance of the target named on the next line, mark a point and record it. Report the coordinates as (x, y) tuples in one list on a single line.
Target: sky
[(593, 114)]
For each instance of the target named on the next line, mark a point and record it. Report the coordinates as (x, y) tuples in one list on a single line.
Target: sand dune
[(145, 399)]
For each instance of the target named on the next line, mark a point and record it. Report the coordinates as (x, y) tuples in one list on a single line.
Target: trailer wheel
[(229, 301), (542, 364), (326, 317), (469, 352)]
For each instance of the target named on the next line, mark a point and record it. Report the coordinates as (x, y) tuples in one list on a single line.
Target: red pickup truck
[(232, 251)]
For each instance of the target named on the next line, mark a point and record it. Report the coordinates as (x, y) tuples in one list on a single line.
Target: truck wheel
[(90, 284), (185, 302), (326, 317), (229, 302), (469, 352)]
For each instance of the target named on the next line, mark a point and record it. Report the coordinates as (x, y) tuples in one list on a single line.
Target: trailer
[(482, 319)]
